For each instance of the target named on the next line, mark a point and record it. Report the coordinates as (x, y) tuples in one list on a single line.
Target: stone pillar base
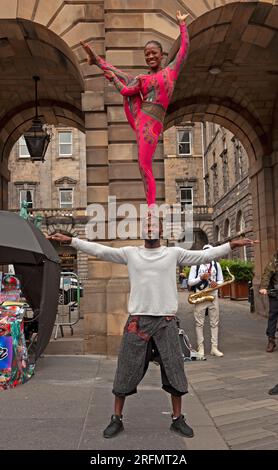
[(105, 314), (104, 345), (261, 301)]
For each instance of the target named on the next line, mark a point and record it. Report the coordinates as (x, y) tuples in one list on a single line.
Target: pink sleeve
[(132, 88), (103, 65), (175, 65)]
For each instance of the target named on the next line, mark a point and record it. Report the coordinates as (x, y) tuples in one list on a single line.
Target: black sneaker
[(179, 426), (114, 427), (274, 390)]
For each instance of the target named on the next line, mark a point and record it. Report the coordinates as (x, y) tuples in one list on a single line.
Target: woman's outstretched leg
[(148, 131)]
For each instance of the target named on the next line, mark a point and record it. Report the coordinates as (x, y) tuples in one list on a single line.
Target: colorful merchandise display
[(14, 365), (9, 288)]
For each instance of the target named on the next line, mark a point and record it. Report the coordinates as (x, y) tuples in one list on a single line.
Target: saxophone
[(204, 295)]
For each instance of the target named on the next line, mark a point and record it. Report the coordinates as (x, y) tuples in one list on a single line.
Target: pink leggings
[(147, 133)]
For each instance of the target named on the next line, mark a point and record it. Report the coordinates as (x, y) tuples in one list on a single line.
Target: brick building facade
[(227, 187)]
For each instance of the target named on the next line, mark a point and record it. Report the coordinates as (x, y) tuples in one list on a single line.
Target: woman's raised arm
[(181, 55)]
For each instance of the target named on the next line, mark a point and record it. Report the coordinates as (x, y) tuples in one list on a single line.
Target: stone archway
[(29, 49), (200, 239), (231, 78)]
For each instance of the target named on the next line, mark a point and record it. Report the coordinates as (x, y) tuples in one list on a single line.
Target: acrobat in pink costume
[(146, 100)]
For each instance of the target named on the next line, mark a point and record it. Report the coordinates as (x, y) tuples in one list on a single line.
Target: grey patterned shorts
[(142, 336)]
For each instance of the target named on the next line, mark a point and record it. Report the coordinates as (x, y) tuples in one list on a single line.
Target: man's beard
[(152, 241)]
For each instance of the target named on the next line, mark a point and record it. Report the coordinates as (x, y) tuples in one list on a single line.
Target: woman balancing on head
[(147, 98)]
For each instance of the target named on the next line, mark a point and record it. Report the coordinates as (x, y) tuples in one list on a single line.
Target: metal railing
[(68, 313)]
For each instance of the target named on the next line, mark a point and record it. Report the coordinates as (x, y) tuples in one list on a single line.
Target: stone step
[(65, 346), (69, 343)]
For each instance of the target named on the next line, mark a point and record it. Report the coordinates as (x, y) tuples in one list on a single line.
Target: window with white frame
[(28, 196), (227, 228), (184, 142), (186, 197), (66, 198), (217, 233), (65, 143), (23, 149), (240, 222)]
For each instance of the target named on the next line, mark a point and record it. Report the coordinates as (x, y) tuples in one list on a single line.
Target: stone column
[(4, 181), (112, 166), (263, 186)]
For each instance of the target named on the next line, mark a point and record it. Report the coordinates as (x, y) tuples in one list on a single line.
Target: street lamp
[(37, 138)]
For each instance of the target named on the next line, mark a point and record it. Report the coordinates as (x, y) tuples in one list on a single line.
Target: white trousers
[(199, 315)]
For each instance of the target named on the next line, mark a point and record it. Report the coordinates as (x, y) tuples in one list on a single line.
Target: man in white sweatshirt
[(151, 328), (201, 277)]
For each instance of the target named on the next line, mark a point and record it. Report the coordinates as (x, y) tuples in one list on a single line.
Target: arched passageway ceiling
[(241, 40), (28, 49), (19, 120)]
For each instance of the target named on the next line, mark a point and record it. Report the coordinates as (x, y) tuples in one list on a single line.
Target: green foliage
[(186, 270), (242, 270)]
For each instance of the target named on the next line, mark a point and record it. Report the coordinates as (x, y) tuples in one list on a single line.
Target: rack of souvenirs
[(14, 364)]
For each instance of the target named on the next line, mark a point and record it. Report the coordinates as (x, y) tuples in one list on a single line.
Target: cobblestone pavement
[(234, 389)]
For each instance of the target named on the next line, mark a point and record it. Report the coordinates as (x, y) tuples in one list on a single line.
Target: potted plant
[(184, 277), (243, 272)]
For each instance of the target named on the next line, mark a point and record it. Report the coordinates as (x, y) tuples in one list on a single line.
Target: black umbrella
[(37, 265)]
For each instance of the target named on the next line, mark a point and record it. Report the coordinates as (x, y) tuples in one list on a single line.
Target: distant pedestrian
[(269, 286)]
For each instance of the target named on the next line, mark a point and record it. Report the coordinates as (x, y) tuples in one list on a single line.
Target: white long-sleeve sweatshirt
[(152, 272)]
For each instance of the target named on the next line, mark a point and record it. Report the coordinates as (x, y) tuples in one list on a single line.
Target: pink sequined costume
[(146, 100)]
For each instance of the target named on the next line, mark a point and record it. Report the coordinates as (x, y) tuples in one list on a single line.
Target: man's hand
[(213, 284), (91, 56), (59, 237), (205, 276), (243, 242), (263, 291), (181, 18)]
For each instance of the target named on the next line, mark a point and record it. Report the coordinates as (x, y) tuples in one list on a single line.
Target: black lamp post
[(37, 138)]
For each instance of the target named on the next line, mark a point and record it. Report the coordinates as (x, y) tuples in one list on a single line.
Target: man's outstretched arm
[(103, 252), (190, 257)]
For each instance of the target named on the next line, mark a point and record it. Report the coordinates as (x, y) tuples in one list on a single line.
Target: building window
[(207, 189), (186, 197), (240, 223), (215, 182), (28, 196), (23, 150), (184, 142), (65, 143), (240, 228), (66, 198), (238, 159), (217, 234), (225, 170), (227, 229)]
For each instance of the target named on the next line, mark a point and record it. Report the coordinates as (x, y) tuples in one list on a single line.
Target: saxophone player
[(202, 277)]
